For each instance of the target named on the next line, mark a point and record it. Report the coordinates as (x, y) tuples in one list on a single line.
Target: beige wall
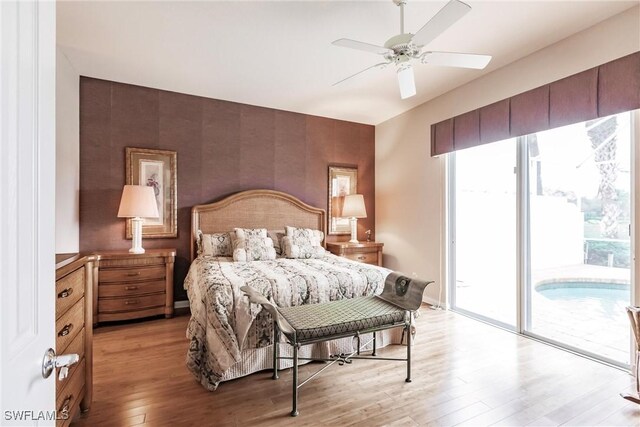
[(67, 155), (410, 185)]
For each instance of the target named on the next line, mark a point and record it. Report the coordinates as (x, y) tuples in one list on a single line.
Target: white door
[(27, 206)]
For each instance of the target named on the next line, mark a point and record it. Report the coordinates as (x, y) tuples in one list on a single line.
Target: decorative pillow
[(302, 250), (305, 236), (253, 249), (276, 236), (250, 233), (215, 244)]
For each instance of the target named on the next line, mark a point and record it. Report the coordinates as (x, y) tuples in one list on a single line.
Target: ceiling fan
[(404, 48)]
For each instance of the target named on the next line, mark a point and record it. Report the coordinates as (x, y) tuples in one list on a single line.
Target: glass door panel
[(484, 221), (579, 240)]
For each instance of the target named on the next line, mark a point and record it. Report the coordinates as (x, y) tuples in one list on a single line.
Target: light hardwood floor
[(464, 373)]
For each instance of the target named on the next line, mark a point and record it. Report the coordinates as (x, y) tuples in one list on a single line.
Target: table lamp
[(137, 202), (354, 208)]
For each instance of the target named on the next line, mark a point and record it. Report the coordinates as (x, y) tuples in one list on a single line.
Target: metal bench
[(308, 324)]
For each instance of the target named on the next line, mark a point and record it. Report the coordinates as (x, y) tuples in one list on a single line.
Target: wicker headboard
[(268, 209)]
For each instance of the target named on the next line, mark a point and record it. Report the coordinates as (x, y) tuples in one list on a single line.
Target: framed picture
[(343, 180), (157, 169)]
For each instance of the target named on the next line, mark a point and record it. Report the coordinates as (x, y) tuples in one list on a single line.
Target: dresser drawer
[(70, 324), (112, 305), (367, 258), (72, 393), (128, 289), (69, 290), (77, 347), (133, 274)]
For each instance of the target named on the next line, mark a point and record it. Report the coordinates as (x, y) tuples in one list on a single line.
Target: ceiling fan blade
[(367, 47), (453, 59), (406, 82), (442, 20), (362, 71)]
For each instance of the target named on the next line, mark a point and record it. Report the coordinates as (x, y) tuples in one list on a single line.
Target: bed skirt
[(260, 359)]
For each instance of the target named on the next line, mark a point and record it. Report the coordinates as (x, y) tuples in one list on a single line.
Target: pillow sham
[(214, 244), (303, 243), (305, 236), (303, 250), (251, 233), (253, 249)]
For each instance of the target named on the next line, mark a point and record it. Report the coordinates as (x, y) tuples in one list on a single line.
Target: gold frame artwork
[(158, 169), (343, 181)]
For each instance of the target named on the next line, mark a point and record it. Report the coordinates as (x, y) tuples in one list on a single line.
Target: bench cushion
[(318, 321)]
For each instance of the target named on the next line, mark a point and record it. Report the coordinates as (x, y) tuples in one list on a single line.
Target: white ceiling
[(279, 54)]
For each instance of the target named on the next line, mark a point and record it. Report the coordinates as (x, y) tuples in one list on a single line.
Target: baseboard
[(181, 308), (181, 304), (432, 301)]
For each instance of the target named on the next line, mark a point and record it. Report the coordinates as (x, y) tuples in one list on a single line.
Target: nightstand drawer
[(129, 289), (367, 258), (133, 286), (113, 305), (131, 274), (69, 290), (69, 325), (72, 392), (77, 347)]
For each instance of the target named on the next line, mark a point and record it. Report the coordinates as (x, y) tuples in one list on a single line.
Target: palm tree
[(602, 133)]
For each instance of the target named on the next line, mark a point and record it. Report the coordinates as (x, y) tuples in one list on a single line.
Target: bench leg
[(276, 344), (408, 329), (294, 409), (374, 344)]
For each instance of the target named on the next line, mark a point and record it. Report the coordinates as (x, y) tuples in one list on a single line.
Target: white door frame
[(27, 210)]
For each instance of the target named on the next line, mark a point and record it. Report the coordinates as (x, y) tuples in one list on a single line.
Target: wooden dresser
[(366, 252), (132, 286), (75, 276)]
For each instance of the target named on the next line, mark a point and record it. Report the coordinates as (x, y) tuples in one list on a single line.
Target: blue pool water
[(610, 298)]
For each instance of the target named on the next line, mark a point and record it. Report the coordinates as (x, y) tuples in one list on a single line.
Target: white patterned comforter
[(223, 324)]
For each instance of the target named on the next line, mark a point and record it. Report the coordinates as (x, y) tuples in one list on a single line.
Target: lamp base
[(136, 231), (354, 230)]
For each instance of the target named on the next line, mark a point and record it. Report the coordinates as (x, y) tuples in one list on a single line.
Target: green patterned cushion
[(317, 321)]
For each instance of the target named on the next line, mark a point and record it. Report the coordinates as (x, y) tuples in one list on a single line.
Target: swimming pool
[(607, 298)]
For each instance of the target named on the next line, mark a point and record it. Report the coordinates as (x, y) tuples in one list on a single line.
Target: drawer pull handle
[(66, 330), (130, 288), (362, 257), (132, 302), (137, 273), (65, 293), (66, 406)]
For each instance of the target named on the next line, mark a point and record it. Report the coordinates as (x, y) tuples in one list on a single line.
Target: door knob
[(51, 361)]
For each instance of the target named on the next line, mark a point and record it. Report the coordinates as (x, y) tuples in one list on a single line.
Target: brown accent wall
[(223, 147)]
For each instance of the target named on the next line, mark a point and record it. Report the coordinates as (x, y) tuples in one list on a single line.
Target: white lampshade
[(138, 201), (354, 206)]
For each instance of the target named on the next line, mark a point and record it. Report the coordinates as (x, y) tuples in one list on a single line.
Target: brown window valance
[(608, 89)]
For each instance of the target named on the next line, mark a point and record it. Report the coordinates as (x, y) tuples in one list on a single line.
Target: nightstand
[(132, 286), (366, 252)]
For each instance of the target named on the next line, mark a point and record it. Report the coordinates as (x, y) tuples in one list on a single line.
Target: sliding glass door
[(484, 211), (579, 225), (542, 223)]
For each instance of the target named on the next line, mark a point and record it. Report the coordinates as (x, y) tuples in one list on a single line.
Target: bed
[(230, 338)]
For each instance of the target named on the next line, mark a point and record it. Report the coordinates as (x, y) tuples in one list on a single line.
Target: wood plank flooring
[(464, 373)]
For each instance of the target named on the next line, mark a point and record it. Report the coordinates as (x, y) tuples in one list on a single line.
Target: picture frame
[(343, 181), (158, 169)]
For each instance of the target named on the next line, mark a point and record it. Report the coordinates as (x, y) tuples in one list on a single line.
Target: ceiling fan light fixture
[(406, 82)]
